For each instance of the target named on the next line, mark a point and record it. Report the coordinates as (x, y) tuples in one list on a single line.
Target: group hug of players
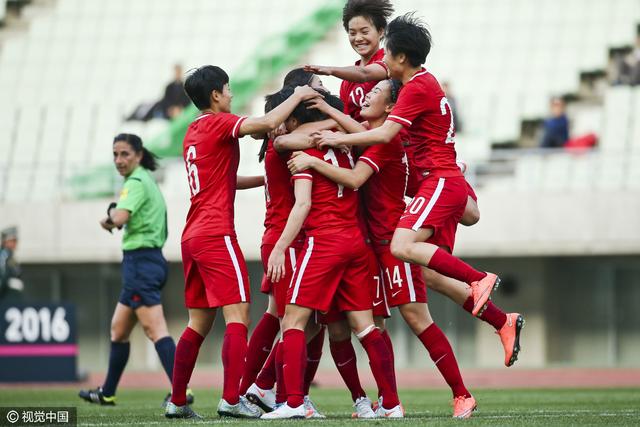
[(340, 246)]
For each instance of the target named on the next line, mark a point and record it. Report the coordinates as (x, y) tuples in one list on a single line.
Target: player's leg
[(418, 318), (314, 335), (122, 323), (260, 345), (471, 213), (439, 204), (344, 357), (362, 325)]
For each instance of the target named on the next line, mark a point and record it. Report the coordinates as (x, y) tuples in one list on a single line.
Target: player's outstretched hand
[(318, 69), (275, 265), (327, 138), (306, 93), (299, 162)]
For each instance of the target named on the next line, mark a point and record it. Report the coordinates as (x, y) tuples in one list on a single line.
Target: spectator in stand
[(555, 128), (453, 103), (11, 285), (174, 101)]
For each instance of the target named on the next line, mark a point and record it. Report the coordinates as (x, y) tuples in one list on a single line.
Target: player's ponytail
[(149, 160)]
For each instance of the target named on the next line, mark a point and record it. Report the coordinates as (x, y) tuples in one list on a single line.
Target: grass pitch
[(584, 407)]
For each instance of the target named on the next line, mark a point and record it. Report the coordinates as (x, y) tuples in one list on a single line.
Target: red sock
[(259, 349), (450, 266), (314, 353), (281, 391), (344, 356), (491, 314), (387, 340), (267, 376), (234, 351), (381, 367), (437, 344), (295, 359), (183, 364)]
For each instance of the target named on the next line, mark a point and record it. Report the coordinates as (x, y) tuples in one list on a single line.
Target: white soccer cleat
[(312, 411), (242, 409), (265, 399), (285, 412), (364, 408), (395, 412)]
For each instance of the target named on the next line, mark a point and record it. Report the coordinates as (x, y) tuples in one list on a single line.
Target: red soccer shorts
[(278, 289), (403, 282), (438, 205), (332, 269), (215, 272)]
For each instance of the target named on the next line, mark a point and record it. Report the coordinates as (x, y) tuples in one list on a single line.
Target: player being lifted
[(214, 267), (430, 221)]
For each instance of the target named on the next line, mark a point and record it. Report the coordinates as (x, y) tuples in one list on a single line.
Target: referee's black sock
[(118, 358), (166, 349)]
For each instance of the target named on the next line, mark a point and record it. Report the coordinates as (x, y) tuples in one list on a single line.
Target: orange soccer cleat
[(510, 337), (464, 406), (481, 292)]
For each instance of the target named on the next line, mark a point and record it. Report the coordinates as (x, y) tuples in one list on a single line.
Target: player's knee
[(416, 320), (338, 331), (118, 334), (470, 216), (399, 249)]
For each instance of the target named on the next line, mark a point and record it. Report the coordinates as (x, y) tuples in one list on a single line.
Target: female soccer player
[(142, 211), (214, 267), (430, 220)]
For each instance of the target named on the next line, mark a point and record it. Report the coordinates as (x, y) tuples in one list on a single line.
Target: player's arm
[(350, 178), (344, 120), (246, 182), (311, 127), (297, 216), (379, 135), (293, 141), (275, 117), (353, 73)]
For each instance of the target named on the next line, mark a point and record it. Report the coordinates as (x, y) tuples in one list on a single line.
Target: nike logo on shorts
[(377, 303), (393, 295), (340, 365)]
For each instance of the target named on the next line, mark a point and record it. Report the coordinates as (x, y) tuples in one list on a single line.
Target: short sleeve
[(411, 104), (376, 156), (308, 174), (132, 195), (383, 65), (227, 125)]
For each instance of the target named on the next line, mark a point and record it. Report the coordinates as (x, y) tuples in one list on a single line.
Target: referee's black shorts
[(144, 274)]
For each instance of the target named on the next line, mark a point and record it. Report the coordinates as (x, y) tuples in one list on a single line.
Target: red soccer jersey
[(352, 93), (423, 109), (278, 193), (211, 154), (333, 207), (384, 190)]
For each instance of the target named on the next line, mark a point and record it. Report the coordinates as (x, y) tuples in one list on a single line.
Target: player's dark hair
[(271, 102), (375, 11), (149, 160), (308, 115), (409, 35), (297, 77), (395, 86), (202, 81)]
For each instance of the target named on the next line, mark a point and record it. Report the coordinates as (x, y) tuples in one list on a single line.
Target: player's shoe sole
[(520, 322), (251, 397)]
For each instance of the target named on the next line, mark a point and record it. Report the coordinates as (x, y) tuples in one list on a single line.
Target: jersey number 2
[(192, 171)]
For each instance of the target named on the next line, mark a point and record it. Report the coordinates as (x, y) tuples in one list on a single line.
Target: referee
[(142, 212)]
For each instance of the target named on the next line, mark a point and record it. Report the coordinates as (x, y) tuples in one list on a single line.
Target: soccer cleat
[(310, 407), (395, 412), (364, 408), (510, 337), (96, 396), (286, 412), (174, 411), (190, 398), (242, 409), (463, 406), (481, 292), (265, 399)]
